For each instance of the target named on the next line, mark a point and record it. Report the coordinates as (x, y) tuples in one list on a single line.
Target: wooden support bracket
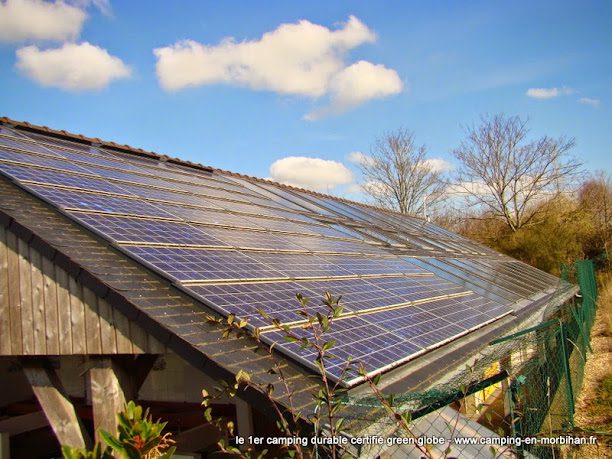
[(55, 403)]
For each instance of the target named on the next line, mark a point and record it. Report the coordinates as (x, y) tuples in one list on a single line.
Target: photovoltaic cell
[(21, 144), (372, 346), (125, 229), (262, 192), (47, 161), (461, 277), (96, 202), (300, 265), (57, 178), (278, 299), (196, 264)]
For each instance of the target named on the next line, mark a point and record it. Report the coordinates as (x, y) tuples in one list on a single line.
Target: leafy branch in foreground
[(139, 438), (324, 418)]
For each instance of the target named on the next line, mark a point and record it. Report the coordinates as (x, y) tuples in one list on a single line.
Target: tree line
[(527, 197)]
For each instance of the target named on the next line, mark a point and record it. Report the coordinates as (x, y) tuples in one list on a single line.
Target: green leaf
[(111, 441), (329, 344), (131, 452), (242, 377), (325, 324)]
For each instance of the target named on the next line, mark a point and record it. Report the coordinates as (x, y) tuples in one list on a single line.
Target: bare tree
[(595, 196), (509, 175), (399, 176)]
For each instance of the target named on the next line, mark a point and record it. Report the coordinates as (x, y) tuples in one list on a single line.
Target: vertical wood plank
[(92, 322), (64, 334), (38, 303), (5, 317), (155, 347), (51, 307), (25, 296), (77, 317), (122, 330), (107, 328), (139, 339), (14, 294)]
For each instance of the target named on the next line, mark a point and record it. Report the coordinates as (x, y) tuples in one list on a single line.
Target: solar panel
[(261, 191), (513, 285), (278, 299), (139, 230), (185, 264), (385, 339), (369, 344), (70, 199), (240, 246), (458, 276)]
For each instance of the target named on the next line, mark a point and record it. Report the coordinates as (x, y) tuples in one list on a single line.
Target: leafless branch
[(398, 176), (508, 175)]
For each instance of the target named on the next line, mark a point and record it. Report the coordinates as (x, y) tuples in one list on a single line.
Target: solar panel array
[(243, 246)]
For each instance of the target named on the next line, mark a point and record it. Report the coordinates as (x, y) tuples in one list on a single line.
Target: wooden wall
[(45, 311)]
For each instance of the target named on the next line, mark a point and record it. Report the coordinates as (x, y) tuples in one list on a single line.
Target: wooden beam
[(113, 381), (107, 394), (16, 425), (197, 439), (138, 368), (56, 404)]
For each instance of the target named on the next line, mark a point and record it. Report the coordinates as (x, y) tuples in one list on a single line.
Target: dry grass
[(594, 407)]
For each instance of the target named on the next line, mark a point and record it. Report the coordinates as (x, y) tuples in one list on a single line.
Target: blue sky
[(316, 80)]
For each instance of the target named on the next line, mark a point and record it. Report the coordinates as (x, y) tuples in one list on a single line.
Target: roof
[(171, 242)]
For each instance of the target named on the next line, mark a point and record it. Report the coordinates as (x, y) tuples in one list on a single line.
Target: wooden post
[(113, 381), (244, 419), (5, 450), (107, 395), (56, 404)]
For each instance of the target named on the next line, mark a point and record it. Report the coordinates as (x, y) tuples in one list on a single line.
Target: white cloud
[(439, 165), (73, 67), (39, 20), (357, 84), (312, 173), (548, 93), (596, 103), (354, 188), (302, 59), (358, 157), (103, 6)]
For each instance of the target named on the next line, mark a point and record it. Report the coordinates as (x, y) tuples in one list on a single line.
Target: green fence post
[(568, 376)]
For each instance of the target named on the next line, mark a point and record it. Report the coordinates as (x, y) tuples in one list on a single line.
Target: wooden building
[(85, 325)]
